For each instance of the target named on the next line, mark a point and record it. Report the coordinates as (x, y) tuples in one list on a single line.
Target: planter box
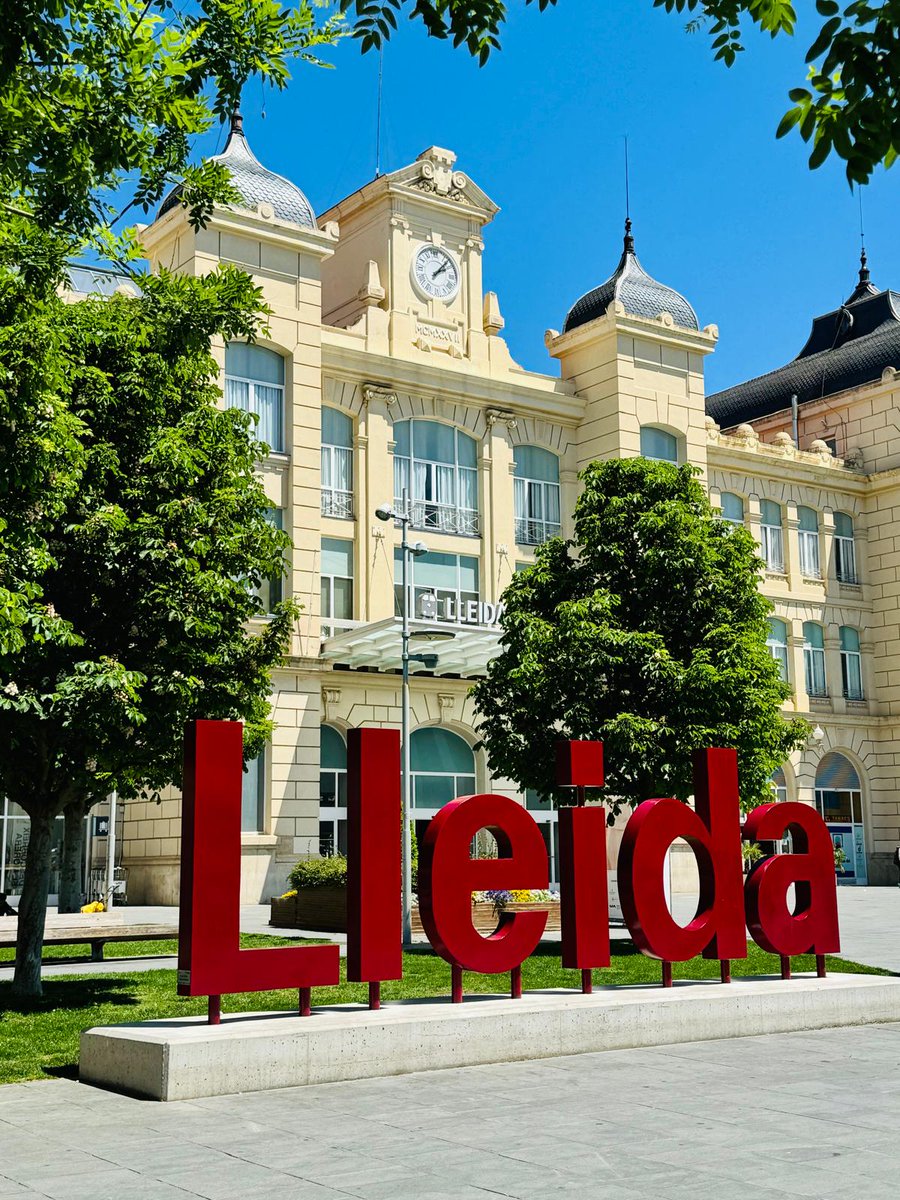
[(321, 910), (325, 910), (485, 917)]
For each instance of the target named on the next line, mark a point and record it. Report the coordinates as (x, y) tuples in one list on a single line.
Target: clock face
[(435, 273)]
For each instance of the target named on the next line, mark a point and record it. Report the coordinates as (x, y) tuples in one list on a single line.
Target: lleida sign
[(211, 963)]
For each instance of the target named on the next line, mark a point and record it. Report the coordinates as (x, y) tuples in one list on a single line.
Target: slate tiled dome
[(255, 183), (640, 295), (846, 348)]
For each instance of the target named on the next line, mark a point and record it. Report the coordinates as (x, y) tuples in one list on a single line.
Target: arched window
[(851, 663), (254, 381), (814, 659), (436, 466), (777, 644), (839, 801), (732, 508), (332, 792), (844, 549), (772, 536), (442, 767), (809, 542), (536, 495), (658, 444), (337, 464)]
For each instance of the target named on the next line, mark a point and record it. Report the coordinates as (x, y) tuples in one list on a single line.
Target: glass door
[(841, 811)]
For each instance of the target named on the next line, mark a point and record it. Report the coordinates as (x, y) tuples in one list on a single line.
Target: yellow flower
[(288, 895)]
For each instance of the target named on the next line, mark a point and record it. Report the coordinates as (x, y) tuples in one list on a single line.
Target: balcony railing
[(534, 533), (336, 503), (443, 518)]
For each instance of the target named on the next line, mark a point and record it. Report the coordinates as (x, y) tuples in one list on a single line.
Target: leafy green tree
[(147, 587), (648, 633), (848, 104), (100, 101)]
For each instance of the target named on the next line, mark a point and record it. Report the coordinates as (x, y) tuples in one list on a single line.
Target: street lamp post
[(408, 550)]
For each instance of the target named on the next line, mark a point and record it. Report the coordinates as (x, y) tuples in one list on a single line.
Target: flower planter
[(324, 910), (485, 917), (321, 910)]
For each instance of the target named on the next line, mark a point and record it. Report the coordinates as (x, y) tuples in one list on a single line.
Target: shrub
[(320, 873)]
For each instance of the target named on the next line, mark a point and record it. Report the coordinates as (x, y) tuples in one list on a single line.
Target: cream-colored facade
[(363, 342)]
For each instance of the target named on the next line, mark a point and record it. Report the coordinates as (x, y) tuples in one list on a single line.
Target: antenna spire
[(378, 110), (863, 260), (629, 240), (237, 122)]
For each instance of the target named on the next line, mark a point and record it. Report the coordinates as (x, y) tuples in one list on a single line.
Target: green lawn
[(40, 1038)]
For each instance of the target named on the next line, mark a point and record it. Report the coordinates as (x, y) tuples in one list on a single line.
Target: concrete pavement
[(791, 1115)]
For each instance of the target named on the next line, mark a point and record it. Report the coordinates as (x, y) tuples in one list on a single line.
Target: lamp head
[(818, 733), (417, 549), (428, 661), (385, 512)]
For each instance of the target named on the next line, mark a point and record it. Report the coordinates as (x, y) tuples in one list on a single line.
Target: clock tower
[(407, 274)]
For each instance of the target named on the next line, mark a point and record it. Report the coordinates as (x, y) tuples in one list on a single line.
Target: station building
[(385, 373)]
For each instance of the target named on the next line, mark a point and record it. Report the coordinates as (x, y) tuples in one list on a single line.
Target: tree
[(847, 106), (147, 586), (648, 633), (99, 103)]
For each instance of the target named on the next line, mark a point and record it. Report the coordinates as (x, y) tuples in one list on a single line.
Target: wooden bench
[(94, 935)]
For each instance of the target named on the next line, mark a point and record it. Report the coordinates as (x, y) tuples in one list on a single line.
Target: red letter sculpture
[(584, 899), (374, 916), (813, 927), (448, 876), (210, 961), (714, 834)]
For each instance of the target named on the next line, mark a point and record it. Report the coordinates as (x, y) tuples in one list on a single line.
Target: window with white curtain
[(851, 663), (536, 486), (778, 644), (814, 659), (732, 507), (337, 585), (808, 533), (772, 536), (436, 465), (337, 464), (658, 444), (254, 381), (844, 549)]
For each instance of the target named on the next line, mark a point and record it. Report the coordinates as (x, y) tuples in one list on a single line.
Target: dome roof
[(255, 183), (640, 295)]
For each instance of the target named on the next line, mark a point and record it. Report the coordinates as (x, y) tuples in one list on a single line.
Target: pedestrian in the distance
[(5, 909), (897, 864)]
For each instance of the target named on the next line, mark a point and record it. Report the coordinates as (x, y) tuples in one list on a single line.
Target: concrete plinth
[(184, 1059)]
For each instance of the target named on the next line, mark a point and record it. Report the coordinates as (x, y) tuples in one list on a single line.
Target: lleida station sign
[(212, 964)]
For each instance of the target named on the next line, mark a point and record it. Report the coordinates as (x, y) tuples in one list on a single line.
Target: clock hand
[(441, 269)]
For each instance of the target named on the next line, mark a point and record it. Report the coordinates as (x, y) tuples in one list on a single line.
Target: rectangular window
[(253, 795), (435, 465), (772, 537), (336, 586), (851, 664), (809, 554), (436, 580), (844, 549), (264, 398), (537, 511), (271, 591), (337, 481)]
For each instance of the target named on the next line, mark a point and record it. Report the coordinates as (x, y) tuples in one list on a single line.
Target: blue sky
[(723, 212)]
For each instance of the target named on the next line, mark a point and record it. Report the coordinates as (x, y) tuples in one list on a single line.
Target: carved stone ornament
[(374, 391), (503, 416)]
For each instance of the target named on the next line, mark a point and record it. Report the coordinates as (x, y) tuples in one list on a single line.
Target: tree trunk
[(72, 861), (33, 908)]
